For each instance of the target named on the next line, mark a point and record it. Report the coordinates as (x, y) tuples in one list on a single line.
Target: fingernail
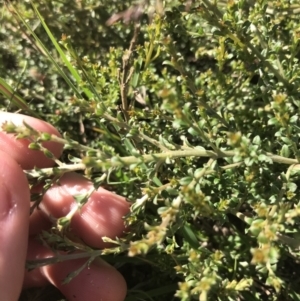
[(6, 204)]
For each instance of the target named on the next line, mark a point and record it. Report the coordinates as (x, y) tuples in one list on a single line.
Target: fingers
[(15, 200), (14, 215), (18, 149), (35, 277), (38, 222), (100, 216), (98, 281)]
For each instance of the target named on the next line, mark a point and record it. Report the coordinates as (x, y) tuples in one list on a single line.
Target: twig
[(125, 161), (127, 71)]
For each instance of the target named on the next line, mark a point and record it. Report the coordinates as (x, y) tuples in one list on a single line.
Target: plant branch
[(128, 128), (125, 161), (32, 264), (126, 71), (246, 45)]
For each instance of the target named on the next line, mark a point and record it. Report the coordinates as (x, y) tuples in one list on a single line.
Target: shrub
[(190, 109)]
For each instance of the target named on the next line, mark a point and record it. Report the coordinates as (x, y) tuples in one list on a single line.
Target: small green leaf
[(34, 146), (185, 181), (285, 151)]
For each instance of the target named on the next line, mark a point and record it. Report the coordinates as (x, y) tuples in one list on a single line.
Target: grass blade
[(10, 94), (64, 58)]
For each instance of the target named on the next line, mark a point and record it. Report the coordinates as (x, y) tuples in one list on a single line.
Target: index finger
[(18, 148)]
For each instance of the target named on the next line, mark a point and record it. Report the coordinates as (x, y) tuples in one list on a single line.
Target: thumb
[(14, 222)]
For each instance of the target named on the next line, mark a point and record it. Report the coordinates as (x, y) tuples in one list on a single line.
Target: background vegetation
[(190, 109)]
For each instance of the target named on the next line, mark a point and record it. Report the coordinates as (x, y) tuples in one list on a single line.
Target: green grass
[(188, 109)]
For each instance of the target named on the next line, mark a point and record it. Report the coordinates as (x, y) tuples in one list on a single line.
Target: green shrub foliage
[(190, 109)]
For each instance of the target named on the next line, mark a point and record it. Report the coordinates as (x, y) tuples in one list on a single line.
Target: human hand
[(100, 216)]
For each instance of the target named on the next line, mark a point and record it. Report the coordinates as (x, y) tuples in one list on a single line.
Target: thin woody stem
[(124, 161)]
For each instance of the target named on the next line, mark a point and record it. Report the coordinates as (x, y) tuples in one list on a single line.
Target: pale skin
[(101, 216)]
